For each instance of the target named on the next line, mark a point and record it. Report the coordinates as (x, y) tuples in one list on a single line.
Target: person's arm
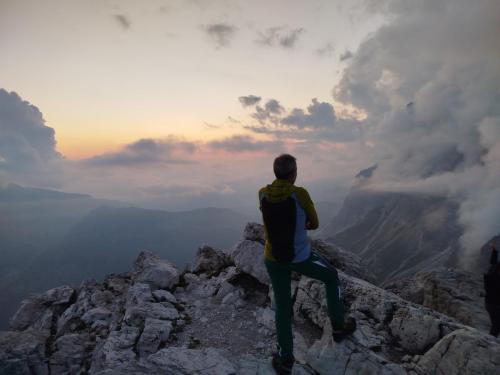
[(307, 204), (261, 193)]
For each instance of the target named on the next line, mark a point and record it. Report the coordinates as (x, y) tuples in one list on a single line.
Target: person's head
[(285, 167)]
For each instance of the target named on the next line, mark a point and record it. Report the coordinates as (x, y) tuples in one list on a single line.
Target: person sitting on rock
[(492, 288), (288, 212)]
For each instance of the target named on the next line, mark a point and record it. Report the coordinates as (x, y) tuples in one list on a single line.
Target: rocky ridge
[(456, 293), (217, 318)]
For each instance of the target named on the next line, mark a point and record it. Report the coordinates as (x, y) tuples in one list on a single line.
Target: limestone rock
[(456, 293), (95, 314), (327, 357), (116, 349), (129, 325), (70, 353), (209, 259), (342, 259), (463, 351), (415, 330), (164, 296), (136, 315), (254, 232), (152, 270), (21, 351), (34, 308), (180, 361), (155, 332), (248, 256)]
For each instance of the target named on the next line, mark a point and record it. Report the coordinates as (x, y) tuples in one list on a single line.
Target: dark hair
[(284, 166)]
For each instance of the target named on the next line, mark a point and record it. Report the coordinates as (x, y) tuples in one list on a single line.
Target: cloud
[(27, 146), (220, 33), (326, 51), (245, 143), (123, 21), (270, 112), (318, 122), (318, 115), (249, 100), (280, 36), (144, 152), (346, 55), (428, 84)]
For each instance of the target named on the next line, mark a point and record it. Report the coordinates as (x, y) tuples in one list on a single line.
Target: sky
[(183, 104), (107, 73)]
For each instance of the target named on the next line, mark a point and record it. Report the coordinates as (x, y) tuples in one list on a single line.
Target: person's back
[(288, 212)]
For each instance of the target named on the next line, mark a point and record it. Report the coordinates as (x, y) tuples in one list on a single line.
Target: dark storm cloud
[(249, 100), (280, 36), (220, 33), (142, 152), (244, 143), (123, 21), (27, 145)]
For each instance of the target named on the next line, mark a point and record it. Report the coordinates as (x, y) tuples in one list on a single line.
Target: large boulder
[(155, 333), (209, 259), (464, 351), (349, 358), (39, 309), (254, 232), (150, 269), (248, 256)]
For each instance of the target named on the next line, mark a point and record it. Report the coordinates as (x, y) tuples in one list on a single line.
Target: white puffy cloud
[(27, 146), (428, 82)]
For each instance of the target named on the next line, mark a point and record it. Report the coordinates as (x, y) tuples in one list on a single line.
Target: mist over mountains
[(49, 237)]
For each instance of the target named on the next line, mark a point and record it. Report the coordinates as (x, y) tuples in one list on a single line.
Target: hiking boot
[(349, 327), (282, 366)]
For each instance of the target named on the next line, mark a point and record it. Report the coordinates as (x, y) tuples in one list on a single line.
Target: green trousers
[(315, 267)]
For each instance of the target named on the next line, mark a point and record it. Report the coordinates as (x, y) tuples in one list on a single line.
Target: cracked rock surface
[(218, 318)]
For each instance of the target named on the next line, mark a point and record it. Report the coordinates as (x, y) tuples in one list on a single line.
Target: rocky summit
[(217, 318)]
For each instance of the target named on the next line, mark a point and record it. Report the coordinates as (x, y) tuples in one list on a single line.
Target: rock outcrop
[(217, 318), (456, 293)]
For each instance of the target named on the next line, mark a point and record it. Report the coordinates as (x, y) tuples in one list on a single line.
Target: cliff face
[(217, 318), (397, 234)]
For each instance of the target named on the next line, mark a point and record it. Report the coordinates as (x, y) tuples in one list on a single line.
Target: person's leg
[(495, 321), (280, 276), (316, 267)]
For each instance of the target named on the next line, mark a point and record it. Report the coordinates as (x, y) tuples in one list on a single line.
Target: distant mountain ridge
[(397, 234), (49, 237), (18, 192)]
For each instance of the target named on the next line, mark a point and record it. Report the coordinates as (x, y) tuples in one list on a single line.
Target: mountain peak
[(216, 318)]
